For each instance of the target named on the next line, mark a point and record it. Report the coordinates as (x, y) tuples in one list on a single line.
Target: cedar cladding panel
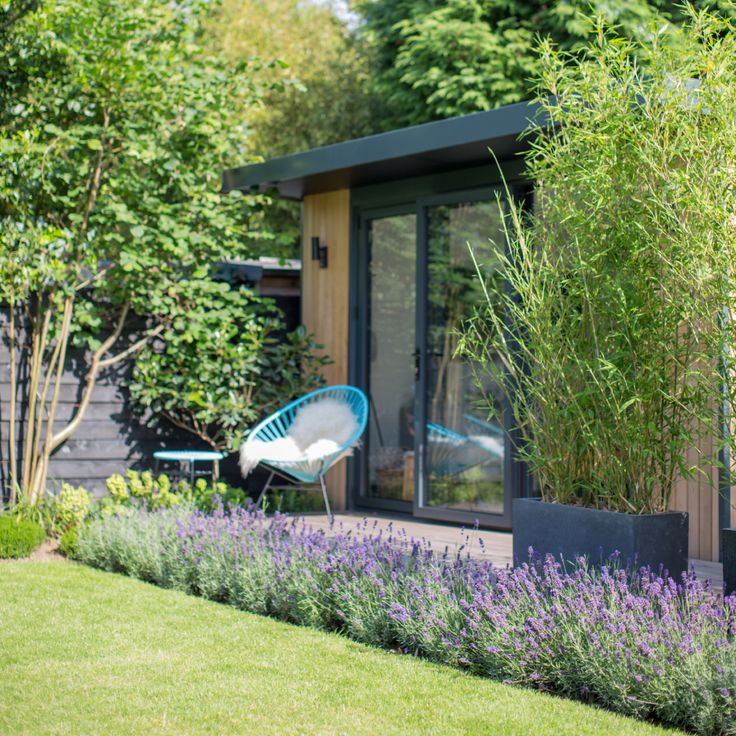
[(325, 297), (699, 496)]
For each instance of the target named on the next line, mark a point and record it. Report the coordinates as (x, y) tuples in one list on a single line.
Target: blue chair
[(309, 470), (451, 453)]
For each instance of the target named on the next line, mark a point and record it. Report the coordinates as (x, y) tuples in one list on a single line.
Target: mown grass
[(86, 652)]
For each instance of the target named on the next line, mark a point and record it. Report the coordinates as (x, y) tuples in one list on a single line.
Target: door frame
[(406, 197), (360, 348), (514, 472)]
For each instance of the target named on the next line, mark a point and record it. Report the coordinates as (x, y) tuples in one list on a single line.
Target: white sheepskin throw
[(319, 429)]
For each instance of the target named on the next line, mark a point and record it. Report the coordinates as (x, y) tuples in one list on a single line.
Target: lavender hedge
[(635, 643)]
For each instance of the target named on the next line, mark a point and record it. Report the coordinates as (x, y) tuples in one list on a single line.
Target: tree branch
[(97, 174), (84, 284), (90, 382), (134, 348), (188, 427)]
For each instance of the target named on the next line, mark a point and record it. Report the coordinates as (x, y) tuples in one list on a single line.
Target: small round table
[(191, 457)]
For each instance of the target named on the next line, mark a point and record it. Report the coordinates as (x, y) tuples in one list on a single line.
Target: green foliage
[(19, 537), (436, 59), (71, 508), (319, 91), (142, 488), (609, 344), (42, 511), (136, 489), (320, 85), (69, 542), (223, 364), (114, 130)]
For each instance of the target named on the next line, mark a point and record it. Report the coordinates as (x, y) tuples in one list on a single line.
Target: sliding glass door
[(432, 446), (390, 241), (464, 447)]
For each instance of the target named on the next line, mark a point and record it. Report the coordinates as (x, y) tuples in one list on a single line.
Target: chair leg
[(265, 488), (324, 495)]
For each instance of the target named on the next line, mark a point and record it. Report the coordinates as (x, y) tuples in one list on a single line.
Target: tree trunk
[(13, 409)]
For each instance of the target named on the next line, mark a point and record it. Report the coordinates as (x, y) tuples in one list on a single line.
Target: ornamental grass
[(634, 641)]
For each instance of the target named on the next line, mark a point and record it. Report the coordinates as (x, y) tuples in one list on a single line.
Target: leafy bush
[(19, 537), (69, 542), (633, 642), (40, 511), (220, 368), (72, 508), (609, 343), (55, 513), (143, 490)]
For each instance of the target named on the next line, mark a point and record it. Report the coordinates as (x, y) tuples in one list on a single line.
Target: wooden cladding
[(699, 497), (325, 297)]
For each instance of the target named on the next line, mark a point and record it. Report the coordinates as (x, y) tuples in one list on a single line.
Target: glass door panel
[(391, 358), (465, 450)]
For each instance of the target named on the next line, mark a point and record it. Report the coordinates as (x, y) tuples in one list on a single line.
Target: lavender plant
[(638, 642)]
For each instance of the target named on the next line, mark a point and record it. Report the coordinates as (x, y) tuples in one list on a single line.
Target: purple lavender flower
[(634, 640)]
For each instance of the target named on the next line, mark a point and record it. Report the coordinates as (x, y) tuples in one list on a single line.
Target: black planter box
[(568, 532), (728, 553)]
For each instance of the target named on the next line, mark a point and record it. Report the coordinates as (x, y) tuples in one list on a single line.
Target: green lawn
[(85, 652)]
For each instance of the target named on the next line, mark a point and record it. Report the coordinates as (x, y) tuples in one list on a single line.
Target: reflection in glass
[(392, 298), (465, 451)]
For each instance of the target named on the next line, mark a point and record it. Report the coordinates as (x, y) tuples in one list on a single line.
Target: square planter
[(728, 553), (567, 532)]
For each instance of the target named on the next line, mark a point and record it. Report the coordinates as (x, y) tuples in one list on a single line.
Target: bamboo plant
[(611, 342)]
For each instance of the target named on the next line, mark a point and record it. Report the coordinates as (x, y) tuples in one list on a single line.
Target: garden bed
[(632, 642)]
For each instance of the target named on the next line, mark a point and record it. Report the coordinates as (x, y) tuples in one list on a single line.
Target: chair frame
[(276, 426)]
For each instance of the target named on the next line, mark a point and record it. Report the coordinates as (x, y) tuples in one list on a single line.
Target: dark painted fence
[(111, 438)]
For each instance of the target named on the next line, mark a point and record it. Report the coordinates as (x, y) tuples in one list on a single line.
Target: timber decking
[(496, 545)]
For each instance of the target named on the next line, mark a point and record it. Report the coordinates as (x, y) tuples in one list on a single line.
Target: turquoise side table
[(190, 458)]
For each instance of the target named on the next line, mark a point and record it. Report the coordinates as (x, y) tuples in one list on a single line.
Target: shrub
[(143, 490), (606, 322), (72, 508), (223, 367), (19, 537), (41, 512), (69, 542), (632, 641)]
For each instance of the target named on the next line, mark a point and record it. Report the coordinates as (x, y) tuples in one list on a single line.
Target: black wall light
[(319, 252)]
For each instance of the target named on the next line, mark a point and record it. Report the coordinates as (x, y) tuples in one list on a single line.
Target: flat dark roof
[(422, 149)]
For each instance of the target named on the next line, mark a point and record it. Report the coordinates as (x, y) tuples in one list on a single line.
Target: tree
[(319, 93), (436, 59), (114, 128), (319, 88), (222, 364)]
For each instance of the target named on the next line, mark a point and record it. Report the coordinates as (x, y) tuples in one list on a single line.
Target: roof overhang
[(423, 149)]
